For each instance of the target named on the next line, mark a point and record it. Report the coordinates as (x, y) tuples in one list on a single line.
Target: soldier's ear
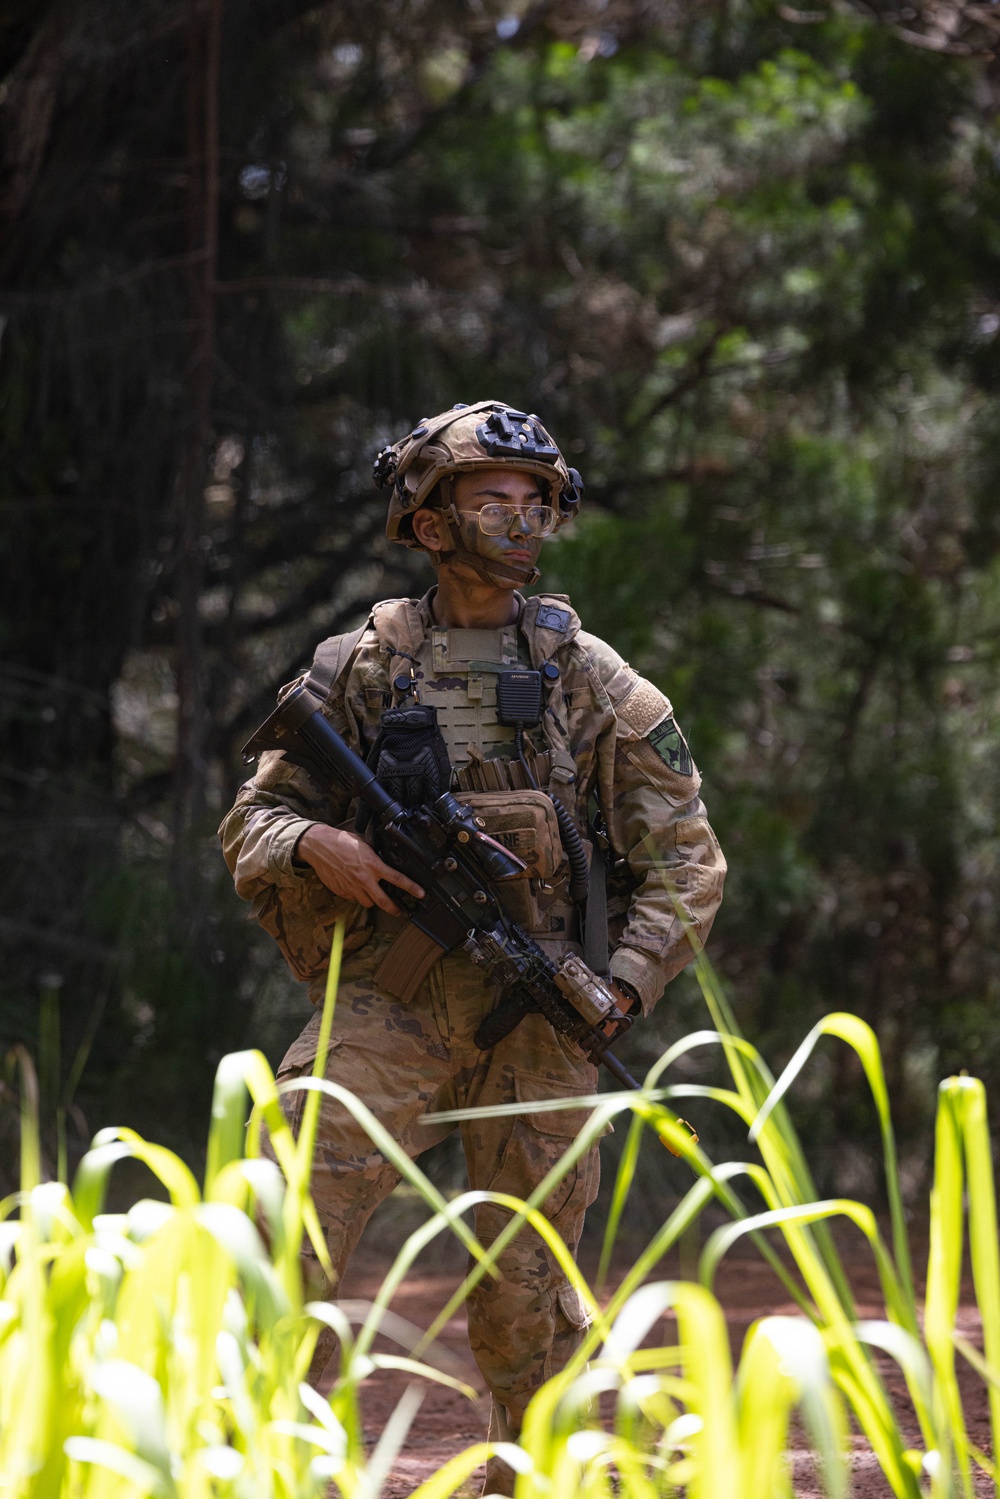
[(430, 529)]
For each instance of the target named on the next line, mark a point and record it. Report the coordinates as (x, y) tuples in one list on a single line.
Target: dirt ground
[(447, 1422)]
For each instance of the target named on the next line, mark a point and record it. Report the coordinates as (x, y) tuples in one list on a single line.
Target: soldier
[(478, 488)]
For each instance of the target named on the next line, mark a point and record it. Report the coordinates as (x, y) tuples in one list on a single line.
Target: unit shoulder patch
[(671, 746)]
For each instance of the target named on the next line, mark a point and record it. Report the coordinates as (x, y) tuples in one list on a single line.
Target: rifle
[(443, 847)]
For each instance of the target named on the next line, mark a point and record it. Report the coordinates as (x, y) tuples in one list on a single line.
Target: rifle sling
[(595, 927)]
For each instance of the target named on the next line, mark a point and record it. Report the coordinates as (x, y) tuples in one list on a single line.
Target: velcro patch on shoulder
[(551, 618), (643, 707), (671, 746)]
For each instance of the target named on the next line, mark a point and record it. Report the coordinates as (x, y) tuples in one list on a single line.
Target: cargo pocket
[(297, 1062), (536, 1143), (525, 823), (301, 919), (564, 1123)]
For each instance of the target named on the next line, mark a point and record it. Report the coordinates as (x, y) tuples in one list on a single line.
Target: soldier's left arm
[(648, 787)]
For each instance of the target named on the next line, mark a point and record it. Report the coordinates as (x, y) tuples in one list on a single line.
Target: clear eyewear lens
[(496, 520)]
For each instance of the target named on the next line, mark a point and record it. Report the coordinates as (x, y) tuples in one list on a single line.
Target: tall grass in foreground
[(163, 1351)]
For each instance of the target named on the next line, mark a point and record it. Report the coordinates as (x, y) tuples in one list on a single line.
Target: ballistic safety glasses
[(498, 520)]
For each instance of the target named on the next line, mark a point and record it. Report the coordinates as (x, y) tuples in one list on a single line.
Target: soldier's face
[(499, 486)]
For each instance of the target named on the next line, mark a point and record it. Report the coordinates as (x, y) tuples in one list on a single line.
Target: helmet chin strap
[(490, 569)]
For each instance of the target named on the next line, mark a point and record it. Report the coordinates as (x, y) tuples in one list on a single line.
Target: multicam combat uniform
[(605, 732)]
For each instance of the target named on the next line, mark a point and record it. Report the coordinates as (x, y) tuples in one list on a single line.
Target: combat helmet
[(489, 434)]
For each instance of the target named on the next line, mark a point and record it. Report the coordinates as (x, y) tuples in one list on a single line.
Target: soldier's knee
[(564, 1208)]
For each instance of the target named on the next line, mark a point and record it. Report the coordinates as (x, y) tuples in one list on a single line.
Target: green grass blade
[(424, 1371), (452, 1476), (624, 1177), (142, 1476), (90, 1183), (592, 1130), (227, 1130), (944, 1270), (388, 1147), (113, 1145), (857, 1034), (389, 1443), (666, 1126), (785, 1361), (779, 1145), (862, 1216), (167, 1167), (31, 1151), (298, 1212), (306, 1143), (853, 1368), (983, 1238), (627, 1165), (719, 1177), (910, 1355), (415, 1244), (236, 1234), (707, 1369), (188, 1294), (522, 1213)]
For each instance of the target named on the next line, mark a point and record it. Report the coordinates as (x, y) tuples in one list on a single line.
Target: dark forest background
[(744, 259)]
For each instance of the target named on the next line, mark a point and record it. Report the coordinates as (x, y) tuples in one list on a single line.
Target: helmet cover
[(489, 434)]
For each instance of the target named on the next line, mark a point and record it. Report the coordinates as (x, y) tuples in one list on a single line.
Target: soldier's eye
[(494, 520), (541, 519)]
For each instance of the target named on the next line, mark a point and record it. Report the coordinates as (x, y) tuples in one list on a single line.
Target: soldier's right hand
[(350, 867)]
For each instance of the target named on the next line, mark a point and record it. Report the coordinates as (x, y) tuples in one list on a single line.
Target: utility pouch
[(524, 822)]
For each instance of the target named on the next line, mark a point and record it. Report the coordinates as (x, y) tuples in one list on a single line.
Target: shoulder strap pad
[(398, 626), (548, 621), (331, 659)]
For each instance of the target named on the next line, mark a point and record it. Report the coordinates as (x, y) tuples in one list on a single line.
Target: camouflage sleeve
[(289, 901), (261, 833), (648, 788), (259, 836)]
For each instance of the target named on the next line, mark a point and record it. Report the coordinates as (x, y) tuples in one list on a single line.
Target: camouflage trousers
[(407, 1062)]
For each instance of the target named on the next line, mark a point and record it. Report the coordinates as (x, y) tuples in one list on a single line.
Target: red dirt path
[(447, 1422)]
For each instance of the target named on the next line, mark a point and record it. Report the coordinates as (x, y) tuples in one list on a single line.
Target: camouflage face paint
[(517, 549)]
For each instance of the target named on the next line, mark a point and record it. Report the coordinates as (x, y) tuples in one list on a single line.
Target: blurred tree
[(744, 261)]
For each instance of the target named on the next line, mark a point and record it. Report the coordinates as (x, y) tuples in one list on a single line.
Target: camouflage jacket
[(606, 734)]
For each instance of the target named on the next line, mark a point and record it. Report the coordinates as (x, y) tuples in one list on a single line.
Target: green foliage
[(744, 285), (163, 1350), (745, 268)]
